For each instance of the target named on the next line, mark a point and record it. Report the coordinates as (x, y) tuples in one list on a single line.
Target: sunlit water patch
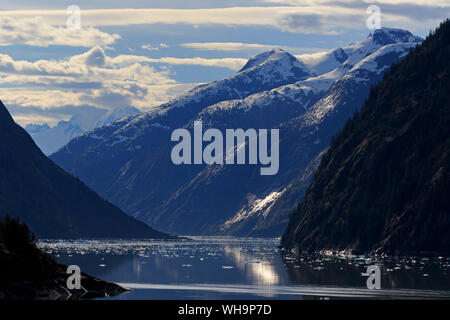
[(245, 268)]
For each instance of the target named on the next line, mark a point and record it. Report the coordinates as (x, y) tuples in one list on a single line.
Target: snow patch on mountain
[(379, 38), (371, 63), (294, 92), (255, 206)]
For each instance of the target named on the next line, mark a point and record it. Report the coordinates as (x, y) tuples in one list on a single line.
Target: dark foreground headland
[(27, 273)]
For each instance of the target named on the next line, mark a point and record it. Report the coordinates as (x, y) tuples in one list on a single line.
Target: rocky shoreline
[(56, 289), (27, 273)]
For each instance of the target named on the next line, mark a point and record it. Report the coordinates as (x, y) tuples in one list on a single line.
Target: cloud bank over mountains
[(128, 54)]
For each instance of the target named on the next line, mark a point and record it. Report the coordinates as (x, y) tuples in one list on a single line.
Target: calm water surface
[(245, 268)]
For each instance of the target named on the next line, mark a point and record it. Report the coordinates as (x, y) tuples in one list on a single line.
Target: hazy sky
[(142, 53)]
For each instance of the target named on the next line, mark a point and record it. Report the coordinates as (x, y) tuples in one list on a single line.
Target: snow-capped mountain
[(351, 55), (261, 110), (278, 68), (376, 40), (276, 64), (265, 71), (310, 134), (51, 139), (332, 65), (128, 162), (263, 204)]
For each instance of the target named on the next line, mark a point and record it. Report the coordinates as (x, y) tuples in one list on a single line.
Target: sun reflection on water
[(258, 271)]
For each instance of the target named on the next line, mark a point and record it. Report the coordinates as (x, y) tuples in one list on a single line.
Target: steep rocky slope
[(383, 185), (53, 203)]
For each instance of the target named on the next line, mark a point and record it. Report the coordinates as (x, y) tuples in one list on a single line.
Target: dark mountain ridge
[(384, 184), (53, 203)]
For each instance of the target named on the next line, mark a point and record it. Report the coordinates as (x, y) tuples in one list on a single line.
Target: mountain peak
[(272, 56), (277, 63), (2, 108), (274, 53), (5, 117), (375, 41), (386, 36)]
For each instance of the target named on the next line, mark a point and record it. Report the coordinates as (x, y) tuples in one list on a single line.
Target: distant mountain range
[(52, 202), (383, 185), (51, 139), (128, 161)]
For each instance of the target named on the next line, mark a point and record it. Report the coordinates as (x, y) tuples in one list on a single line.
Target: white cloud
[(284, 17), (86, 79), (319, 16), (311, 57), (239, 46), (86, 70), (230, 63), (43, 99), (224, 46), (150, 47), (36, 31), (91, 79), (443, 3)]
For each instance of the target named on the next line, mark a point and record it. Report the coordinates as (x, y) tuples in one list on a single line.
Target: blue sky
[(143, 53)]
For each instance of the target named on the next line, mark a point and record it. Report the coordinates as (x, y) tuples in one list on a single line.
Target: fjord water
[(245, 268)]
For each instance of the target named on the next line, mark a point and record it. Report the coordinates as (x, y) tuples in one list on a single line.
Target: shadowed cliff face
[(384, 183), (53, 203)]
